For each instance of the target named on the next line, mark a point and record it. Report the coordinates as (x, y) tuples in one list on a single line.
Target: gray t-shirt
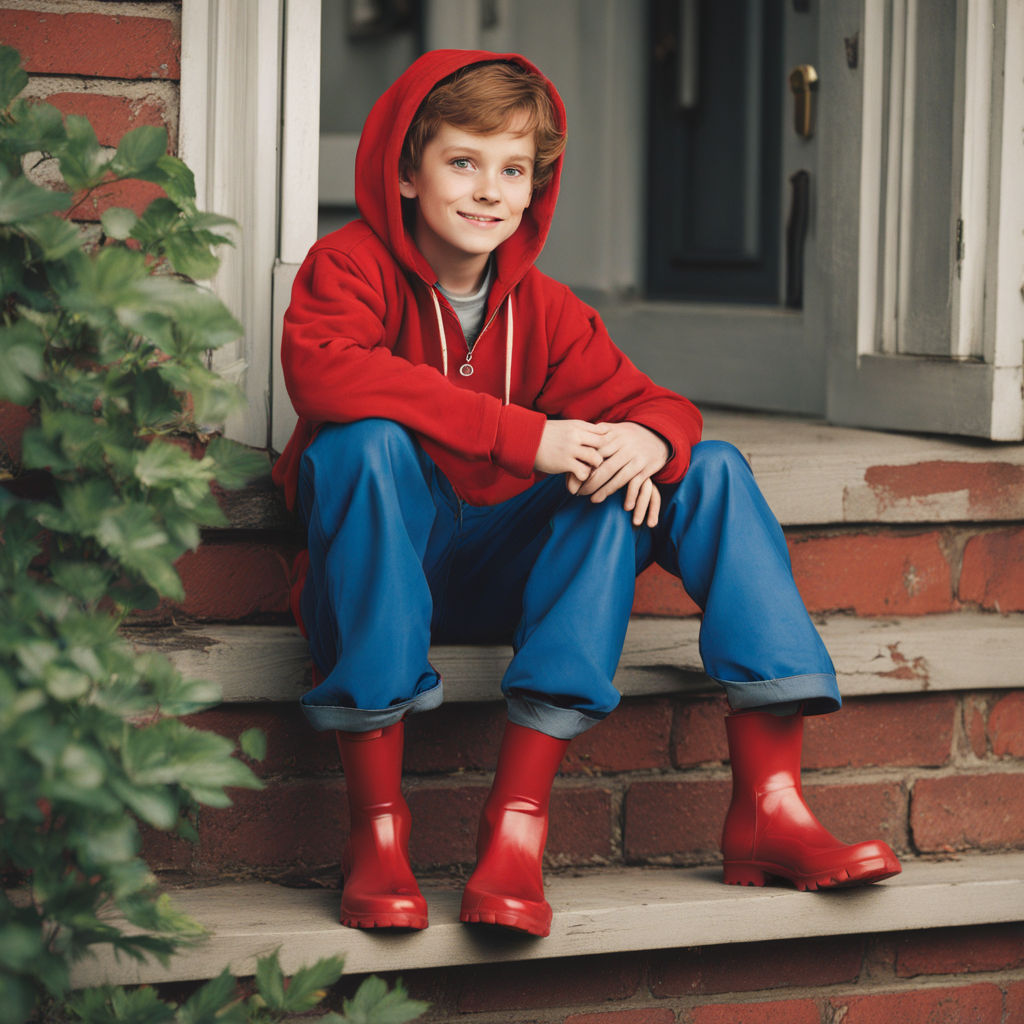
[(470, 309)]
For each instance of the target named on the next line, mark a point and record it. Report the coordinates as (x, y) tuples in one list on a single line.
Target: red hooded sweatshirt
[(368, 334)]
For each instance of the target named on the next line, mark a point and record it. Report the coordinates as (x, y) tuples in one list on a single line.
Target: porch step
[(958, 651), (623, 910)]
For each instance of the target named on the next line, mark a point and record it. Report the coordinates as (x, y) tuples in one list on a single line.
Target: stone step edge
[(614, 911), (957, 651)]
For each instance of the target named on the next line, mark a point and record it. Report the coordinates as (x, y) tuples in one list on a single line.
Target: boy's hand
[(569, 446), (630, 455)]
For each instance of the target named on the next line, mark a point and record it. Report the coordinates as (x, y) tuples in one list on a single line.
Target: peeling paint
[(993, 490), (907, 668)]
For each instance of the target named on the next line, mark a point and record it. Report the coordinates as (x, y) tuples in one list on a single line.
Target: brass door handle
[(803, 82)]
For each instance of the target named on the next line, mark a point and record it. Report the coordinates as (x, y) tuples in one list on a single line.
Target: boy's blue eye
[(461, 162), (512, 172)]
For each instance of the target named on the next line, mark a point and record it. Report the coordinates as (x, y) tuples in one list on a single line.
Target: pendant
[(466, 370)]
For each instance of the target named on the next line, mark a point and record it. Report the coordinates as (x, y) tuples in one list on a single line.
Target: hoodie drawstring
[(509, 333)]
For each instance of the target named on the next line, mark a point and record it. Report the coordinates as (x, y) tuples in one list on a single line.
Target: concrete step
[(959, 651), (621, 910)]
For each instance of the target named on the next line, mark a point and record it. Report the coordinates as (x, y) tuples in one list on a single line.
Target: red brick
[(968, 1004), (674, 819), (782, 1011), (455, 737), (635, 737), (995, 490), (165, 851), (112, 116), (293, 746), (227, 582), (992, 575), (660, 593), (286, 827), (446, 818), (915, 730), (1006, 726), (855, 812), (964, 812), (13, 421), (757, 966), (995, 947), (698, 736), (646, 1016), (1014, 1002), (133, 195), (104, 46), (873, 573), (544, 983)]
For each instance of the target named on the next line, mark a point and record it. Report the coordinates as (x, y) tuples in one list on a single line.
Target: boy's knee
[(369, 443), (717, 458)]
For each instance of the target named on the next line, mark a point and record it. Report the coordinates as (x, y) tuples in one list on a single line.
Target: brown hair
[(483, 99)]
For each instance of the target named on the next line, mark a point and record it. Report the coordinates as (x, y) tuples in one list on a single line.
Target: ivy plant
[(104, 338)]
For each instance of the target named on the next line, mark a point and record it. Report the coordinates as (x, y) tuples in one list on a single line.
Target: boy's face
[(470, 191)]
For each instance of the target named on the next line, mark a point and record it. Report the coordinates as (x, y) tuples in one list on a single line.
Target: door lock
[(803, 83)]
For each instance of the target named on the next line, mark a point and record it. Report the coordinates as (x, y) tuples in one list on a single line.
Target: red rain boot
[(769, 830), (379, 888), (507, 887)]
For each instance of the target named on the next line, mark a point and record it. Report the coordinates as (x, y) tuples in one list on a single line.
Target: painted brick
[(1006, 726), (132, 195), (757, 966), (968, 1004), (635, 737), (976, 724), (660, 593), (873, 573), (113, 116), (992, 575), (544, 983), (782, 1011), (645, 1016), (915, 730), (966, 812), (105, 46), (287, 827), (293, 747), (455, 737), (994, 490), (997, 947), (446, 818), (673, 819), (698, 735)]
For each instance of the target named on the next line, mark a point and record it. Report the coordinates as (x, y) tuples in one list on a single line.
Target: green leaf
[(253, 743), (21, 201), (21, 361), (155, 805), (54, 237), (82, 161), (12, 78), (139, 150), (210, 1004), (307, 986), (118, 222), (270, 982), (234, 464), (374, 1004)]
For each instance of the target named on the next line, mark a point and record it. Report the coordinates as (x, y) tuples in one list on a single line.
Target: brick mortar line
[(156, 11)]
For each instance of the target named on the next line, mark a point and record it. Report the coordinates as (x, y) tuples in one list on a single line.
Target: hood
[(380, 146)]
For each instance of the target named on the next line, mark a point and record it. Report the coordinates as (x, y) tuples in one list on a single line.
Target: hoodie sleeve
[(592, 379), (339, 368)]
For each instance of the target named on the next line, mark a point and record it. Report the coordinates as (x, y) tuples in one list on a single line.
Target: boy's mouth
[(479, 218)]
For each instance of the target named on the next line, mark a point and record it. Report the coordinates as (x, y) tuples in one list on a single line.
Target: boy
[(476, 461)]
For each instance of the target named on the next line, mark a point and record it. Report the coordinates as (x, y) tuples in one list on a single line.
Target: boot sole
[(415, 922), (758, 873), (505, 919)]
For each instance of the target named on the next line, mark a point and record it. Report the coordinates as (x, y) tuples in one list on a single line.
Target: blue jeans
[(397, 561)]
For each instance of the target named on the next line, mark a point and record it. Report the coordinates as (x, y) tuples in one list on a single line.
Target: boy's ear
[(407, 188)]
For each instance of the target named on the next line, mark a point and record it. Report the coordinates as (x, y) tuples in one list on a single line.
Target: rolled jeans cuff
[(560, 723), (818, 691), (325, 717)]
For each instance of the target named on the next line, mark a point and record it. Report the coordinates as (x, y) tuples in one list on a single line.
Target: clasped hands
[(599, 459)]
